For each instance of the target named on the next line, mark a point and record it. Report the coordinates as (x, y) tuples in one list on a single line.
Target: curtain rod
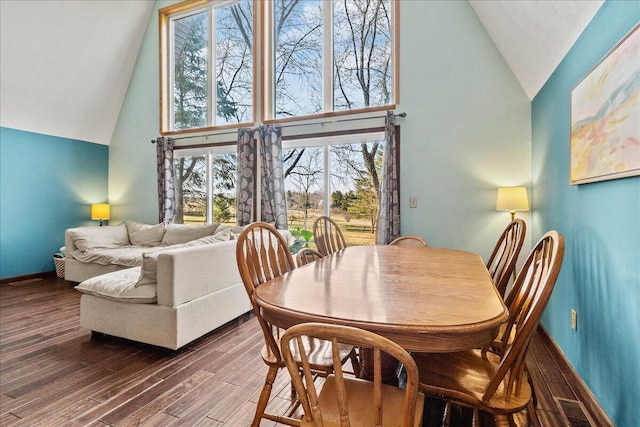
[(402, 115)]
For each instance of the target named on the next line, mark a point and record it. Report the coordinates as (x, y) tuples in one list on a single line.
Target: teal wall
[(46, 186), (600, 277)]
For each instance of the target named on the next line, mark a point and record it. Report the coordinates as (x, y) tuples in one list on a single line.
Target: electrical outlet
[(413, 202), (574, 320)]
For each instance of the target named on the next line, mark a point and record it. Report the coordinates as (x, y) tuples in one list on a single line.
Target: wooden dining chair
[(409, 241), (262, 254), (498, 383), (328, 236), (502, 262), (345, 401), (307, 255)]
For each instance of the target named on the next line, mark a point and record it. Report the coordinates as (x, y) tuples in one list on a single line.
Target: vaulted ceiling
[(65, 65)]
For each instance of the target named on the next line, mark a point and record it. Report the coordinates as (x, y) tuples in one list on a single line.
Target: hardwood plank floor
[(52, 373)]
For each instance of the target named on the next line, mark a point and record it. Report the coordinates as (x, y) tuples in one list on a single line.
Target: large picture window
[(207, 65), (205, 183), (320, 57), (330, 56), (338, 177)]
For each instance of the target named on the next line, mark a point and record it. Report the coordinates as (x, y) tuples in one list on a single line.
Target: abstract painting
[(605, 116)]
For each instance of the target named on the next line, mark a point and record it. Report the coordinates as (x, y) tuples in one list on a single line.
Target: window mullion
[(326, 199), (211, 67), (170, 68), (210, 188), (327, 56)]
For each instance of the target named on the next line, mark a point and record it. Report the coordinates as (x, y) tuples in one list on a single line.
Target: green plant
[(303, 238)]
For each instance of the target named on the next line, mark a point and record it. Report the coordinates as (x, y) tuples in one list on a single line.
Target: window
[(338, 177), (331, 56), (320, 57), (205, 182), (207, 65)]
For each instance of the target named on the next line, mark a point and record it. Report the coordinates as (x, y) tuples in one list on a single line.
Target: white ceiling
[(65, 65), (534, 36)]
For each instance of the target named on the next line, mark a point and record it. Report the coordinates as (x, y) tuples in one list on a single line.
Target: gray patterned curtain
[(273, 205), (246, 177), (389, 216), (166, 180)]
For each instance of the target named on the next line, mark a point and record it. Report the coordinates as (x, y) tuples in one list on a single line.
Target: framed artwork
[(605, 116)]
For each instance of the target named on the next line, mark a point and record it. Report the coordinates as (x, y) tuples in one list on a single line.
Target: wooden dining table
[(424, 298)]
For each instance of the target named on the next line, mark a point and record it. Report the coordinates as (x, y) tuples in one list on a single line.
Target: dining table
[(426, 299)]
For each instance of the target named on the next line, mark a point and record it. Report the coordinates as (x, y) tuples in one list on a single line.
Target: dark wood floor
[(52, 373)]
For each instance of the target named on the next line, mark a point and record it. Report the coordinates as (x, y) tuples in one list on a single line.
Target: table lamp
[(512, 199), (100, 212)]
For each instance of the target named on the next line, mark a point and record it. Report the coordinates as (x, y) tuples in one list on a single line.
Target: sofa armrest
[(188, 273), (69, 246)]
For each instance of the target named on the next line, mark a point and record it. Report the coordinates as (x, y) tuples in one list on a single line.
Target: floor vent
[(24, 282), (575, 413)]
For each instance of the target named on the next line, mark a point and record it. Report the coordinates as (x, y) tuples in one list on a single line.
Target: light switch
[(413, 202)]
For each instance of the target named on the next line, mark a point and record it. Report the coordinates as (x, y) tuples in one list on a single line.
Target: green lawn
[(356, 231)]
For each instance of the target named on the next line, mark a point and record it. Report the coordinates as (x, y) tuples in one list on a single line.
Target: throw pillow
[(145, 234), (234, 229), (86, 238), (181, 233)]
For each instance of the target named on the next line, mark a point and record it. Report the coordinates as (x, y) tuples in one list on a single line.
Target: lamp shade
[(100, 211), (512, 199)]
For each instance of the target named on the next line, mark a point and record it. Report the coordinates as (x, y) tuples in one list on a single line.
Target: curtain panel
[(246, 185), (166, 180), (273, 203), (389, 214)]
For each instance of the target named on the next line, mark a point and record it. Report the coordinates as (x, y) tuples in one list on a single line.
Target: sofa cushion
[(181, 233), (130, 256), (145, 234), (149, 269), (120, 286), (86, 238)]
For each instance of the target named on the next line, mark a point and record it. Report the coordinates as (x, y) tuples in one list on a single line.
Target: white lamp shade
[(512, 199), (100, 211)]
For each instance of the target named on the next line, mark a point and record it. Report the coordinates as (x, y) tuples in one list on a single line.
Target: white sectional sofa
[(179, 293), (91, 251)]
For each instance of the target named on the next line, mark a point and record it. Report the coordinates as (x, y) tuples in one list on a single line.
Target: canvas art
[(605, 116)]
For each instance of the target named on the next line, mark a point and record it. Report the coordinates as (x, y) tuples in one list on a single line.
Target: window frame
[(208, 152), (325, 142), (268, 89), (180, 10)]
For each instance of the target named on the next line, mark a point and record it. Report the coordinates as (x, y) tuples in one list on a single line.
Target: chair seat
[(464, 377), (320, 357), (360, 408)]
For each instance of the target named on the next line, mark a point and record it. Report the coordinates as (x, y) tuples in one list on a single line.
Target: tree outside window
[(352, 198)]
